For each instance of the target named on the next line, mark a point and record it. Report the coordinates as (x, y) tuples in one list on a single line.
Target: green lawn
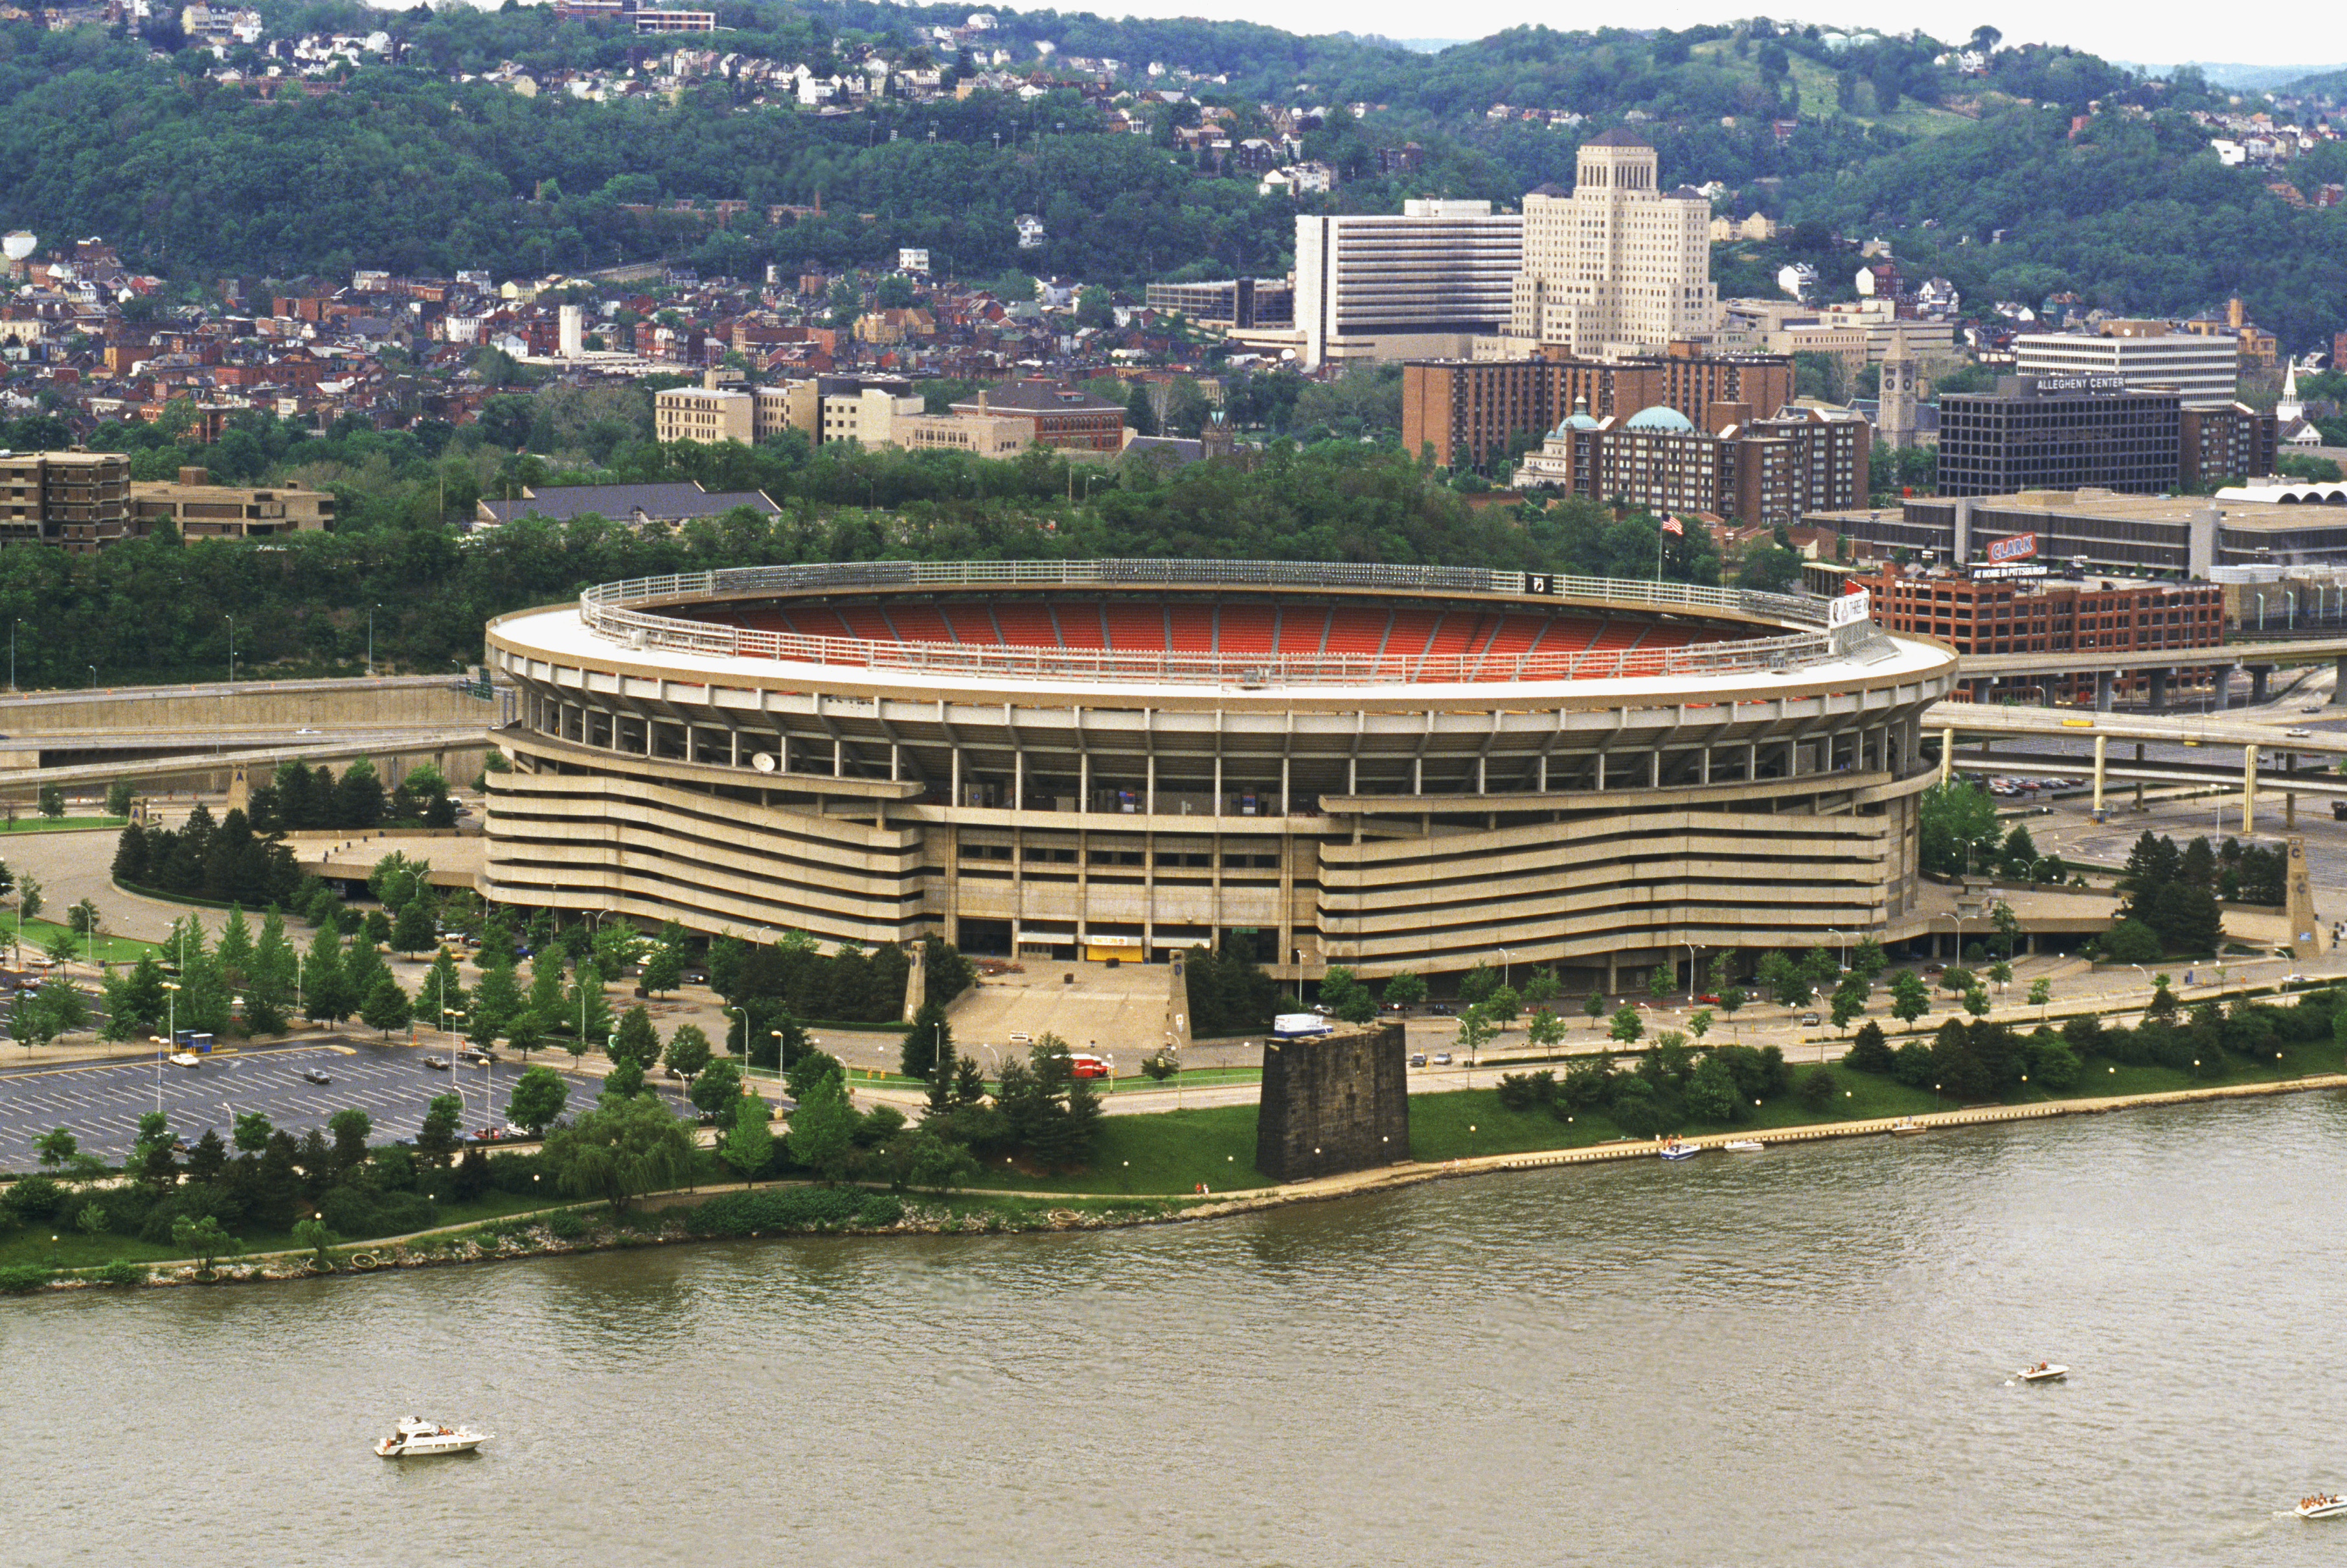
[(1173, 1151), (38, 934), (72, 1249), (61, 825)]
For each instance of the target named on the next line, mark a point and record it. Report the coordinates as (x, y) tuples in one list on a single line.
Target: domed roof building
[(1659, 417)]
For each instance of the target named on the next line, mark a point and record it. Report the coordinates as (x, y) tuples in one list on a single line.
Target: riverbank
[(797, 1209)]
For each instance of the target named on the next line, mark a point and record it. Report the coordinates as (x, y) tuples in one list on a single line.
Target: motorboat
[(1906, 1124), (2322, 1506), (417, 1438), (1744, 1145), (1679, 1149), (2044, 1372)]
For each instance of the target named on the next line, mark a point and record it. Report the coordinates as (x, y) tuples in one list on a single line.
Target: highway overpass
[(2254, 758)]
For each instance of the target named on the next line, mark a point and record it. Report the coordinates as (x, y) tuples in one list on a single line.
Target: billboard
[(2020, 546), (1848, 609)]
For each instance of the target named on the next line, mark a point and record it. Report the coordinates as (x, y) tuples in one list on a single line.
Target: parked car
[(437, 1063), (314, 1076), (1442, 1059), (1810, 1019), (477, 1058), (1708, 997), (1418, 1059), (1021, 1036), (1441, 1009)]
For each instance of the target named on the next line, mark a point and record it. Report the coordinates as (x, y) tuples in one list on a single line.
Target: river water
[(1800, 1357)]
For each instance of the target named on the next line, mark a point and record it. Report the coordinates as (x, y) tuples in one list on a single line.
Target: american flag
[(1671, 525)]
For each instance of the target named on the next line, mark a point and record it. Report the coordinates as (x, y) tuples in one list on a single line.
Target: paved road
[(102, 1101)]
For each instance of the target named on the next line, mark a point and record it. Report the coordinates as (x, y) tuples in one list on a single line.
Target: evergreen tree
[(268, 988), (386, 1006), (496, 1000), (546, 987), (635, 1039), (929, 1040), (362, 965), (441, 990), (205, 1003), (325, 994), (235, 951), (359, 798), (587, 993), (130, 856)]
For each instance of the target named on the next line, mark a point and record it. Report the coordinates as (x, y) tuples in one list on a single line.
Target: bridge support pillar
[(2220, 686), (2102, 745), (2105, 685), (2339, 688), (2258, 676), (2160, 688), (1947, 753), (2249, 789)]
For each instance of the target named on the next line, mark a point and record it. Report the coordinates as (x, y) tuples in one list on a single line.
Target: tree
[(1545, 1033), (749, 1142), (1866, 960), (620, 1150), (442, 989), (1477, 983), (2041, 991), (663, 969), (822, 1128), (1869, 1052), (1476, 1029), (56, 1147), (1976, 1001), (436, 1139), (1342, 992), (251, 1132), (538, 1096), (1958, 828), (635, 1039), (325, 992), (2131, 942), (715, 1086), (351, 1129), (53, 801), (201, 1238), (1712, 1094), (1909, 998), (1593, 1004), (1849, 1001), (689, 1052), (1783, 981), (412, 931), (119, 796), (2000, 975), (496, 998), (388, 1007), (1405, 988), (1627, 1026), (587, 1001), (928, 1038), (1699, 1023)]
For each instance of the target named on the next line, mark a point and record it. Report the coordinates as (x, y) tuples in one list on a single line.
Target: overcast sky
[(2156, 34)]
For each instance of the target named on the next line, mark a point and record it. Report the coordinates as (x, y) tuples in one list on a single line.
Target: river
[(1800, 1357)]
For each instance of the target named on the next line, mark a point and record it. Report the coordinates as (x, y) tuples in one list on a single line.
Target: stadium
[(1387, 767)]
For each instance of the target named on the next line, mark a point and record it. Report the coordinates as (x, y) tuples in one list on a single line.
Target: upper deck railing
[(606, 610)]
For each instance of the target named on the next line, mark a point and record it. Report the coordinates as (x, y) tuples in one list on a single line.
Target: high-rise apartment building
[(2142, 354), (1764, 472), (1619, 265), (78, 499), (1424, 284)]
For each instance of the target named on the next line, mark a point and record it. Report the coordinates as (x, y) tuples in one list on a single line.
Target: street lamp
[(231, 650), (371, 610), (93, 676)]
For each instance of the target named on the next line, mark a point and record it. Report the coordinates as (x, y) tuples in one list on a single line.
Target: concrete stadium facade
[(1386, 767)]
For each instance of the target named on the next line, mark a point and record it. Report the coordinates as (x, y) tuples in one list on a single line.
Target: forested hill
[(425, 162)]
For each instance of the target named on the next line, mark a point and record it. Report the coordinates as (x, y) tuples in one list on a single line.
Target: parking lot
[(102, 1102)]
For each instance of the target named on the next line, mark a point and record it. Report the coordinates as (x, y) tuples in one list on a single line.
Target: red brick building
[(2038, 615), (1065, 417)]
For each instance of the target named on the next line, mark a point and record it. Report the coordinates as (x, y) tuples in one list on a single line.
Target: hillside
[(514, 141)]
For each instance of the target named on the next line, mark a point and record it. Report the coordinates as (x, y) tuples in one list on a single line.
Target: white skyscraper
[(1619, 266), (1423, 285)]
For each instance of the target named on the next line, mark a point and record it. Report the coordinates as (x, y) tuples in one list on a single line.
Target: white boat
[(2322, 1507), (2044, 1372), (1679, 1149), (1744, 1145), (1906, 1124), (416, 1438)]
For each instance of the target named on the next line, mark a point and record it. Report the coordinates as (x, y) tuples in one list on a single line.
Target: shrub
[(879, 1211), (348, 1211), (1817, 1089), (2053, 1065), (20, 1278), (1589, 1086), (34, 1198), (1527, 1090), (784, 1209), (121, 1271), (1868, 1051), (568, 1225), (399, 1213), (1911, 1064), (1637, 1107)]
